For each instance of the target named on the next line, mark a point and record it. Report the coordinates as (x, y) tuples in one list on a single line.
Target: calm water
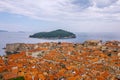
[(14, 37)]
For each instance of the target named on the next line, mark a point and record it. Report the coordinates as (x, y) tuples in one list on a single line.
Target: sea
[(23, 37)]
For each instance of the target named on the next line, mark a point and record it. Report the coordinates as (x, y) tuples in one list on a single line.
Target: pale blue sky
[(72, 15)]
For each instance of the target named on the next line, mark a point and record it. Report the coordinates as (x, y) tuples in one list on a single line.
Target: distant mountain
[(21, 31), (3, 31), (57, 34)]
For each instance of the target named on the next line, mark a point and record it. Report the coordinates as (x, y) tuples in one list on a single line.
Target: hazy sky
[(72, 15)]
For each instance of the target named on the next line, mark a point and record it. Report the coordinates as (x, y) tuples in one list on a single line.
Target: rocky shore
[(91, 60)]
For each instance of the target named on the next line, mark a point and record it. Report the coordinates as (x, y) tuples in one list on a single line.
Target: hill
[(3, 31), (57, 34)]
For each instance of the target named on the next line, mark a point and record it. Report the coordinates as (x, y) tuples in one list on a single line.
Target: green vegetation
[(54, 34), (18, 78)]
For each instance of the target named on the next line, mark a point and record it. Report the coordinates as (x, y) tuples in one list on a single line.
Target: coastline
[(18, 47), (15, 37)]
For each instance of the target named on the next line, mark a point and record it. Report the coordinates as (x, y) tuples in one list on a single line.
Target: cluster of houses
[(91, 60)]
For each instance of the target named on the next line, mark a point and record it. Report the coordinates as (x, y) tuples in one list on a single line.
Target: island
[(56, 34), (3, 31), (21, 32)]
